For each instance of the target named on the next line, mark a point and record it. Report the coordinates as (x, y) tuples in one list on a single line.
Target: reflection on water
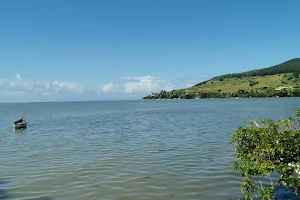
[(3, 192), (127, 149)]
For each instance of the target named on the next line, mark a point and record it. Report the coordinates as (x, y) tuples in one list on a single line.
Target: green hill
[(280, 80)]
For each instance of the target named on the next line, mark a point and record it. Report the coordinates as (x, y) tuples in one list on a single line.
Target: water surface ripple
[(126, 149)]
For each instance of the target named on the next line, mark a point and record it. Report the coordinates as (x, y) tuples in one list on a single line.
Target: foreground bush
[(262, 149)]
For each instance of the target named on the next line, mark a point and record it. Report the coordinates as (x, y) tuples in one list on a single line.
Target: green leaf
[(262, 150)]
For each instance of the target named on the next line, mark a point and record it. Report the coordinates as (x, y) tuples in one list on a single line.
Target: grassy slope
[(234, 84), (268, 79)]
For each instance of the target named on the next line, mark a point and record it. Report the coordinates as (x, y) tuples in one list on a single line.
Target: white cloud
[(15, 81), (107, 87), (1, 82), (57, 87), (146, 84), (139, 84), (18, 76), (18, 87)]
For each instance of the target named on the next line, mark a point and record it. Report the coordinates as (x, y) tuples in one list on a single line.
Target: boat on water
[(21, 123)]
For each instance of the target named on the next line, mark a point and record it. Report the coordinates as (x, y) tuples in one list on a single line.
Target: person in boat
[(19, 121)]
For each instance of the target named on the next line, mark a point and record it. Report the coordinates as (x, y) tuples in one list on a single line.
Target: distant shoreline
[(217, 98), (281, 80)]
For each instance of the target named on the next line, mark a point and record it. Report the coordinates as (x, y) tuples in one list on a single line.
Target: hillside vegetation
[(290, 66), (280, 80)]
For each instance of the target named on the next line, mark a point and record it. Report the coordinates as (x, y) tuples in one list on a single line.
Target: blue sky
[(116, 49)]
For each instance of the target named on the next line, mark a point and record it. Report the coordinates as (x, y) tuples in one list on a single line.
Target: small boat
[(21, 123)]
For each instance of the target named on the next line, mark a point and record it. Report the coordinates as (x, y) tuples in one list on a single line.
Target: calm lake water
[(126, 149)]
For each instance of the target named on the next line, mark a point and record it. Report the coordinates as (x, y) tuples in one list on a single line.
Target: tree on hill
[(290, 66)]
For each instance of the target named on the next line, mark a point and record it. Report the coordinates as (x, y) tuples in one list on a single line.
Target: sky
[(61, 50)]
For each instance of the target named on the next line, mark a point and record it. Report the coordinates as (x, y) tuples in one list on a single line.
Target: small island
[(281, 80)]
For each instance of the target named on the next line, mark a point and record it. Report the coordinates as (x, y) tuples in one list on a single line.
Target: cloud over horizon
[(146, 84), (38, 90), (18, 86), (109, 87)]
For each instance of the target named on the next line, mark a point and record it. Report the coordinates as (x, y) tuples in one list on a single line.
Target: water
[(126, 149)]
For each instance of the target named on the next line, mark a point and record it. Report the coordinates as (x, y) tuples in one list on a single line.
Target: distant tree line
[(263, 92)]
